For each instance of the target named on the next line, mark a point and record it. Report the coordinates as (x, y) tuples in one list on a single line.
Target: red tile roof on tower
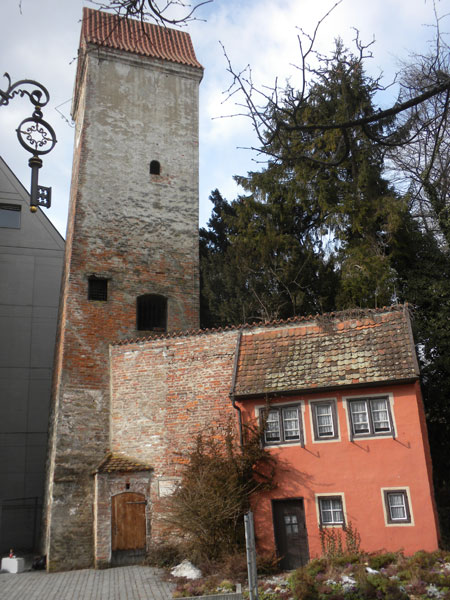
[(343, 349), (111, 31)]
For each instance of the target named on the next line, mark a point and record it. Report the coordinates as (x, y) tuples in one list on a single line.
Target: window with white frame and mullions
[(370, 416), (282, 425), (325, 424), (397, 506), (331, 510)]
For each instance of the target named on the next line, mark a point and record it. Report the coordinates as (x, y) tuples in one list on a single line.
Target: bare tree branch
[(276, 113), (158, 11)]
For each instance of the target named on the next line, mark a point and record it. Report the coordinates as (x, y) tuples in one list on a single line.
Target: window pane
[(380, 415), (324, 419), (397, 507), (272, 432), (360, 418), (291, 424), (331, 511), (10, 215)]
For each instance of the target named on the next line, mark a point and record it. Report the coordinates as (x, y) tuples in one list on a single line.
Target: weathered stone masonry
[(137, 230)]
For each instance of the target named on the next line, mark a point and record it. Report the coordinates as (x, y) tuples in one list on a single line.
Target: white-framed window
[(282, 424), (324, 418), (370, 416), (331, 510), (397, 506)]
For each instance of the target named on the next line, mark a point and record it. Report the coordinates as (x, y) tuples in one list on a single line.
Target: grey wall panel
[(13, 402), (16, 341), (46, 284), (38, 404), (16, 279)]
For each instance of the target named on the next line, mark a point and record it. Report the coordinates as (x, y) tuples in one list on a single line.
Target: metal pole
[(251, 556)]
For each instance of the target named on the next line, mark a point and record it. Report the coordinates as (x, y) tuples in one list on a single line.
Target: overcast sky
[(39, 40)]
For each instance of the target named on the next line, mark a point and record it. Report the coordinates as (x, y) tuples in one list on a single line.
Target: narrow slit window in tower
[(98, 289), (155, 168), (152, 312)]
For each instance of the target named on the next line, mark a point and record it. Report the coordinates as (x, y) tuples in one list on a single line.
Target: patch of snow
[(372, 571), (433, 592), (348, 583), (186, 569)]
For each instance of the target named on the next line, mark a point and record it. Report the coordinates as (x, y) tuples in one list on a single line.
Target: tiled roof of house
[(115, 463), (341, 349), (111, 31)]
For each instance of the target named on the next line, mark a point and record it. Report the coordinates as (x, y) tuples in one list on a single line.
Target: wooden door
[(128, 522), (290, 533)]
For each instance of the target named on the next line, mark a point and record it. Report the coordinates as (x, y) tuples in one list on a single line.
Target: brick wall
[(163, 393)]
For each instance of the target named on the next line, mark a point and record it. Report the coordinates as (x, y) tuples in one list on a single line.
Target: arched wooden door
[(128, 522)]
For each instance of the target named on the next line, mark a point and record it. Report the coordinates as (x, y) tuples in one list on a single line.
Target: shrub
[(303, 585), (219, 478), (341, 544), (316, 566), (165, 555), (380, 561), (267, 564)]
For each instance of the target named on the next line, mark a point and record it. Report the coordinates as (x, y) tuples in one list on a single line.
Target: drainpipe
[(233, 383)]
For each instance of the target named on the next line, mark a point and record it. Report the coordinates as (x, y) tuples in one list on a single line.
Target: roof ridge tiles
[(140, 37), (321, 318)]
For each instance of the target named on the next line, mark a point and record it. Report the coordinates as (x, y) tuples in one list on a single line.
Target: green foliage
[(316, 566), (421, 576), (214, 494), (260, 261), (307, 237), (374, 586), (304, 586), (379, 561)]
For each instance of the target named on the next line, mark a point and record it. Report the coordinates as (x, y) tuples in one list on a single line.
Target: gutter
[(233, 383)]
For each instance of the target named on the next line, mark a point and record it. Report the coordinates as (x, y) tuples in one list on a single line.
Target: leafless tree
[(161, 12), (277, 113), (422, 165)]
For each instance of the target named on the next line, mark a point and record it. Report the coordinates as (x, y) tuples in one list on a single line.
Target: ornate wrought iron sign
[(34, 134)]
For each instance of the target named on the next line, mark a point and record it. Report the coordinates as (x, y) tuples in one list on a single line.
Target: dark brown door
[(128, 521), (290, 533)]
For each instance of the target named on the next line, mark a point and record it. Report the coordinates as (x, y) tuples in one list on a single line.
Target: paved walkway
[(120, 583)]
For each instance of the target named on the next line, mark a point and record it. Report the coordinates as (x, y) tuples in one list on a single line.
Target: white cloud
[(42, 42)]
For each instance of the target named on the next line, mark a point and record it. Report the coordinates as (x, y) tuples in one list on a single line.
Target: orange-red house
[(344, 419)]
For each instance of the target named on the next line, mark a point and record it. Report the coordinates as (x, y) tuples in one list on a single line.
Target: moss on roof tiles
[(342, 349)]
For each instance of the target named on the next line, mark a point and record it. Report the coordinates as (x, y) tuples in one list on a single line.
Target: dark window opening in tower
[(152, 312), (155, 168), (98, 289)]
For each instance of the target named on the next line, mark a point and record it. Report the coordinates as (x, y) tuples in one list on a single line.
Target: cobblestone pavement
[(120, 583)]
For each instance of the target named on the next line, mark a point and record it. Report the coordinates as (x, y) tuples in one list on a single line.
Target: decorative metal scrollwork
[(34, 134), (38, 97)]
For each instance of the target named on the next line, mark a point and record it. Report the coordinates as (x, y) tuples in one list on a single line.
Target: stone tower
[(131, 264)]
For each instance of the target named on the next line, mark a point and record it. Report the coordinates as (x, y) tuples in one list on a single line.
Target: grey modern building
[(31, 261)]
